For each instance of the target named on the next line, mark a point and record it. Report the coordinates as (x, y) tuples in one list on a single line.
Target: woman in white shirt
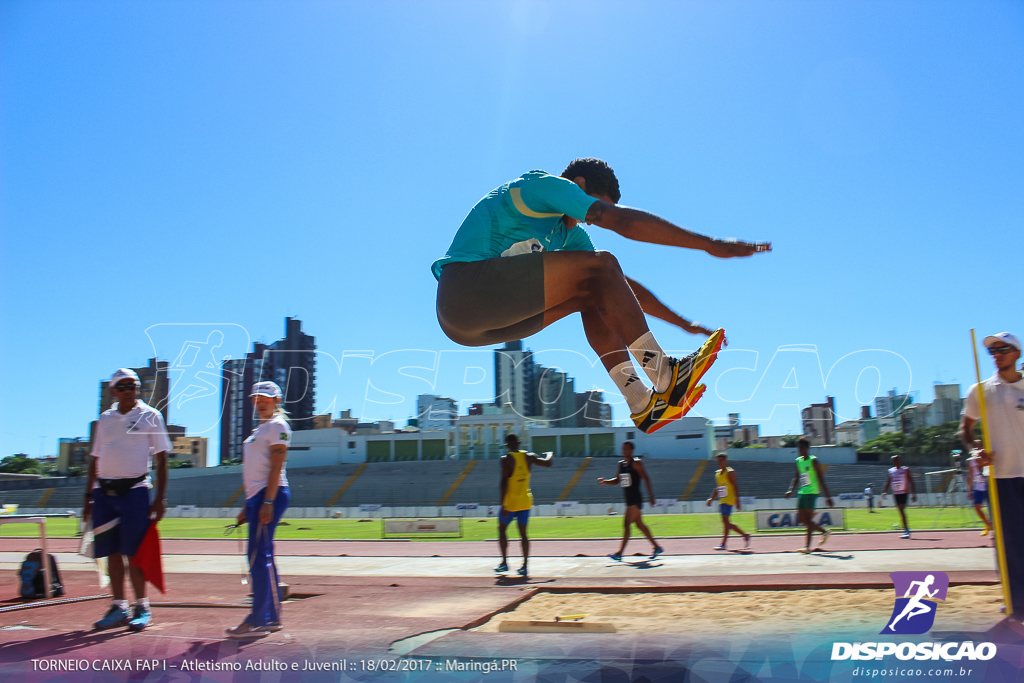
[(266, 499)]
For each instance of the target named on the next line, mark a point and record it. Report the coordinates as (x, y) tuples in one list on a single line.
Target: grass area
[(475, 529)]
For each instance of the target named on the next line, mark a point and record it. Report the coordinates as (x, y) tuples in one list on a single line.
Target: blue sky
[(188, 167)]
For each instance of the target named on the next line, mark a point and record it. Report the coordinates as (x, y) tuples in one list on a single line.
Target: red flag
[(148, 558)]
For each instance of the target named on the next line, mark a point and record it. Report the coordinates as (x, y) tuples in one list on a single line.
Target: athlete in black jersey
[(631, 471)]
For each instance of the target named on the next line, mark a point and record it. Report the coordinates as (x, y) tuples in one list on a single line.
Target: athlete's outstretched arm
[(641, 226), (651, 305)]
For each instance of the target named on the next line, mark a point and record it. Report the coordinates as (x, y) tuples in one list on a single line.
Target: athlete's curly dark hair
[(599, 176)]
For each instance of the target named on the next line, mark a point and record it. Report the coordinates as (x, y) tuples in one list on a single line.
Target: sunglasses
[(124, 387), (1000, 350)]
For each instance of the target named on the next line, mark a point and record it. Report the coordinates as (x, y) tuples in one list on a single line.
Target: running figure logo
[(916, 595)]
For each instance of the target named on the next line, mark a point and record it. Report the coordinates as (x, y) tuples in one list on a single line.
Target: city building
[(891, 404), (556, 397), (191, 449), (947, 405), (435, 412), (291, 363), (73, 452), (515, 380), (592, 411), (236, 421), (914, 416), (819, 422), (849, 432), (724, 432)]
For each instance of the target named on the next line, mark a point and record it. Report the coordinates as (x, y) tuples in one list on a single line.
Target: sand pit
[(965, 608)]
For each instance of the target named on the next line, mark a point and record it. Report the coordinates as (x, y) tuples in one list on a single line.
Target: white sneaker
[(247, 630)]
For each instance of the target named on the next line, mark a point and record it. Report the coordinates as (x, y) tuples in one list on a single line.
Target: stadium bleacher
[(428, 483)]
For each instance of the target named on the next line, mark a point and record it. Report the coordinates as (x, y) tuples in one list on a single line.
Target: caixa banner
[(776, 520)]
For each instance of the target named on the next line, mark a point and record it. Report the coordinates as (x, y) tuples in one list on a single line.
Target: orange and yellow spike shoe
[(656, 415), (691, 401), (692, 398), (688, 371)]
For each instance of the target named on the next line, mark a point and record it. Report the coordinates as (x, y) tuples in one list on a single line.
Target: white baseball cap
[(124, 373), (1001, 339), (266, 389)]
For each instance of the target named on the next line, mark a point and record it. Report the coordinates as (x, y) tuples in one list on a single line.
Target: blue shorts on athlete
[(725, 509), (119, 523), (980, 497), (521, 517)]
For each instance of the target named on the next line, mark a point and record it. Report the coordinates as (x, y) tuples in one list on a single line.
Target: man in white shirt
[(117, 492), (1004, 415)]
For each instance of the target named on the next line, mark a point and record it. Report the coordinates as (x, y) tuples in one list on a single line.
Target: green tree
[(738, 443), (789, 440), (888, 444), (20, 464)]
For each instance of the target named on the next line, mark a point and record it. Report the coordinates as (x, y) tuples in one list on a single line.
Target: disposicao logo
[(914, 614), (916, 595)]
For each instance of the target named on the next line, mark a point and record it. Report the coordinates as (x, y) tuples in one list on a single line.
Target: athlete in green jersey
[(809, 482)]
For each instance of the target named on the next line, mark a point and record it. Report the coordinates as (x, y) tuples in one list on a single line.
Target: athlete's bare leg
[(592, 282), (646, 531), (525, 540), (503, 541), (627, 519)]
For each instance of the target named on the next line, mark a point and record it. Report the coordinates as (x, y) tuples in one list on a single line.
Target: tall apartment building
[(291, 362), (515, 378), (592, 411), (819, 422), (891, 404), (557, 397), (947, 405), (914, 416), (435, 412), (236, 418)]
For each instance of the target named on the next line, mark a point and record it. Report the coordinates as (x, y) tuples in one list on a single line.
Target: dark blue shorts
[(521, 516), (980, 497), (725, 509), (120, 522)]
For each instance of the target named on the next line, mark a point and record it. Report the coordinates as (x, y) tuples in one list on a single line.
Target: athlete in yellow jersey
[(516, 498), (727, 491)]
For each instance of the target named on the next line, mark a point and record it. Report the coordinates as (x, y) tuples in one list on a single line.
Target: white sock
[(630, 386), (652, 359), (123, 604), (142, 602)]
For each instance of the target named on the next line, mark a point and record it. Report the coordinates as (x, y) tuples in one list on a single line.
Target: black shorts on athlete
[(491, 301)]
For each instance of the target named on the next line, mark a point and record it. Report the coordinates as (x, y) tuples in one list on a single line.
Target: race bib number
[(723, 491), (625, 480), (899, 486), (805, 480)]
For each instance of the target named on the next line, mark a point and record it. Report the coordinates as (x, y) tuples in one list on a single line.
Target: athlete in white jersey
[(902, 484), (979, 488)]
